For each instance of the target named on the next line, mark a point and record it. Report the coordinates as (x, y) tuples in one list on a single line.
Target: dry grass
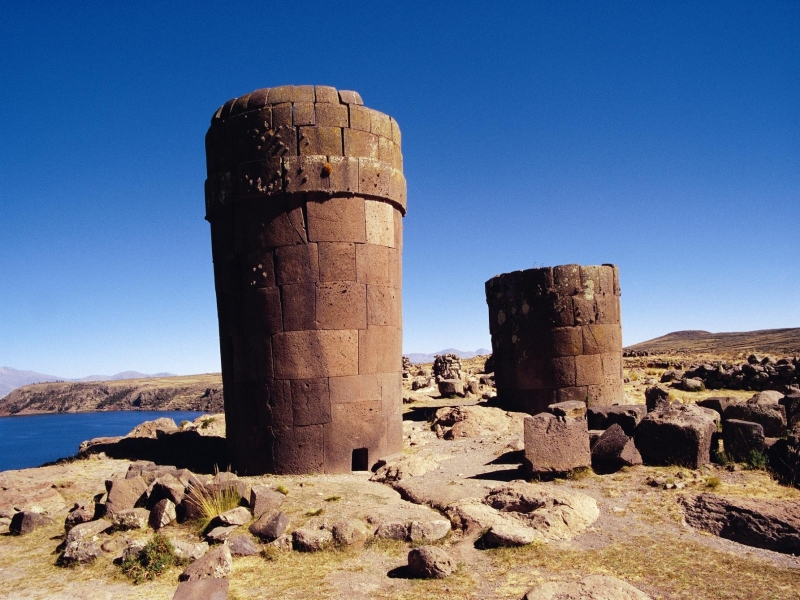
[(663, 566)]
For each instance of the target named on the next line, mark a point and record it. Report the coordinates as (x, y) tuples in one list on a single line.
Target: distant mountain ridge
[(11, 379), (419, 357), (770, 341)]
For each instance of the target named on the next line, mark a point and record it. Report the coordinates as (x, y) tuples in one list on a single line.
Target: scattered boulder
[(626, 416), (556, 444), (189, 550), (428, 531), (27, 521), (770, 415), (81, 551), (216, 564), (392, 530), (235, 516), (571, 408), (784, 458), (430, 562), (676, 434), (82, 512), (451, 387), (311, 540), (509, 535), (690, 385), (770, 524), (593, 587), (471, 421), (655, 397), (132, 518), (264, 499), (671, 375), (134, 548), (150, 429), (614, 450), (718, 404), (202, 589), (283, 543), (791, 403), (350, 533), (742, 438), (88, 531), (270, 526), (124, 494), (242, 545), (219, 534), (167, 486), (163, 514)]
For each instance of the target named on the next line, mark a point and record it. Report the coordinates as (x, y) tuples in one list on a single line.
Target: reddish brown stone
[(350, 97), (341, 305), (274, 403), (339, 219), (337, 261), (353, 426), (282, 115), (564, 371), (588, 369), (355, 388), (299, 306), (380, 223), (326, 93), (318, 353), (305, 174), (567, 279), (573, 394), (320, 140), (608, 309), (281, 93), (383, 306), (584, 309), (344, 174), (303, 93), (331, 115), (373, 177), (263, 309), (566, 341), (296, 264), (396, 133), (386, 150), (311, 403), (380, 124), (378, 265), (360, 143), (380, 350), (599, 338), (303, 114), (298, 450)]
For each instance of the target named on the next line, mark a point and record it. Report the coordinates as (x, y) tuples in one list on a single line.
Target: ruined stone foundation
[(556, 336), (305, 195)]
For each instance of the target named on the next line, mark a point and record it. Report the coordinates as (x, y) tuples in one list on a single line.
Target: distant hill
[(419, 358), (190, 392), (767, 341), (11, 379)]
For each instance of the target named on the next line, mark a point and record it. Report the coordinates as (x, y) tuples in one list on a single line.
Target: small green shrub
[(757, 460), (206, 423), (157, 557)]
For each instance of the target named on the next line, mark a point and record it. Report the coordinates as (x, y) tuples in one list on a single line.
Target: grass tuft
[(282, 489), (213, 502)]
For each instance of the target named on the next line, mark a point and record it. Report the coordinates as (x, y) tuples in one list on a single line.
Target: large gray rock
[(451, 387), (626, 416), (570, 408), (509, 535), (614, 450), (202, 589), (236, 516), (351, 532), (770, 415), (311, 540), (167, 486), (770, 524), (677, 434), (82, 512), (392, 530), (27, 522), (220, 534), (428, 531), (88, 531), (242, 545), (131, 518), (791, 403), (216, 564), (742, 439), (718, 403), (430, 562), (593, 587), (556, 444), (264, 499), (656, 397), (163, 514), (270, 526), (189, 550), (125, 494), (81, 551)]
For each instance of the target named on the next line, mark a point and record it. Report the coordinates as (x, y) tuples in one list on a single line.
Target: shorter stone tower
[(556, 336)]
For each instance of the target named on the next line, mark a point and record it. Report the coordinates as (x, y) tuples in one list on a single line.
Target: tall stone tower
[(556, 336), (306, 197)]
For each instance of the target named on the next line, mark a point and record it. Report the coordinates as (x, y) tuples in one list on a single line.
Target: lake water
[(32, 440)]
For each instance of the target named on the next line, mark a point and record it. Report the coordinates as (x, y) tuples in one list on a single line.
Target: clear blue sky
[(661, 136)]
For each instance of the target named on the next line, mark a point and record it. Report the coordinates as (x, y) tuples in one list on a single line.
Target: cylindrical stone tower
[(306, 196), (556, 336)]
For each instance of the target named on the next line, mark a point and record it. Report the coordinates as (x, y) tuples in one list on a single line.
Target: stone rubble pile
[(757, 374)]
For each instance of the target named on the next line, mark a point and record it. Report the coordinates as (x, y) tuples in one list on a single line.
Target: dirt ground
[(639, 537)]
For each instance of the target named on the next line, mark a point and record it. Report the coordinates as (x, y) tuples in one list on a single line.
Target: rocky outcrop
[(593, 587), (430, 562)]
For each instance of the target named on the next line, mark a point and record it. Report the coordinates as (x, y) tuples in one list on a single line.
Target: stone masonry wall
[(305, 195), (556, 336)]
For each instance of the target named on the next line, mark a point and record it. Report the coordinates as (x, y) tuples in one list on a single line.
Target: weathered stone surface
[(264, 499), (215, 564), (556, 444), (133, 549), (351, 532), (270, 526), (162, 514), (235, 516), (311, 540), (784, 458), (132, 518), (87, 531), (689, 385), (742, 438), (189, 550), (572, 408), (677, 434), (392, 530), (770, 524), (718, 404), (770, 415), (27, 522), (428, 531), (125, 494), (451, 387), (82, 512), (150, 429), (614, 450), (509, 535), (430, 562), (472, 421), (202, 589), (166, 486), (656, 397), (593, 587), (221, 533), (81, 551), (626, 416), (242, 545)]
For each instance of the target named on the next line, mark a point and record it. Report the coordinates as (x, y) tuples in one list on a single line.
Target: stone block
[(398, 229), (741, 439), (311, 402), (320, 353), (573, 394), (341, 305), (303, 114), (354, 425), (396, 137), (326, 93), (564, 371), (383, 306), (281, 93), (260, 178), (273, 400), (607, 306), (258, 99), (567, 280), (296, 264), (268, 225), (378, 265), (599, 339), (298, 450), (613, 450), (202, 589), (337, 261), (305, 174), (299, 306), (627, 417), (360, 144), (612, 366), (588, 369), (677, 434), (355, 388), (656, 397), (451, 387), (379, 350), (252, 138), (359, 118), (303, 93), (397, 187), (320, 141), (344, 174), (718, 404), (386, 150), (379, 223), (264, 499), (573, 409), (556, 444), (772, 417), (258, 270), (282, 115), (332, 115), (350, 97), (340, 219), (380, 124), (584, 310), (373, 177)]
